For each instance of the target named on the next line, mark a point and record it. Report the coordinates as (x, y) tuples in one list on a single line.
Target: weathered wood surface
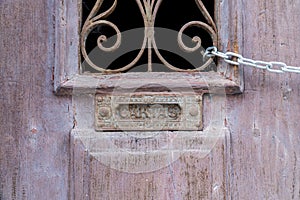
[(189, 177), (201, 82), (264, 121), (262, 152), (34, 123)]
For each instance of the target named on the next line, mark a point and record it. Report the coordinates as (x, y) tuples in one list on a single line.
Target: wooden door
[(257, 157)]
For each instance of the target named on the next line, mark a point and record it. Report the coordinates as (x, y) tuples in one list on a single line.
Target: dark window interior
[(171, 15)]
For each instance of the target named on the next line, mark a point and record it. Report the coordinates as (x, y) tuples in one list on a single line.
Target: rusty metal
[(149, 10), (148, 112)]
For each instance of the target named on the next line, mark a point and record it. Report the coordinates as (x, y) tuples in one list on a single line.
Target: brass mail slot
[(148, 112)]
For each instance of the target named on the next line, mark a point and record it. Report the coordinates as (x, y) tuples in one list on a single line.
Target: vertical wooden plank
[(34, 124), (190, 177), (66, 41), (264, 120)]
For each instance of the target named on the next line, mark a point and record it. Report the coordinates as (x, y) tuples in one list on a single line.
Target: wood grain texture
[(264, 121), (259, 159), (34, 123), (200, 82), (190, 177)]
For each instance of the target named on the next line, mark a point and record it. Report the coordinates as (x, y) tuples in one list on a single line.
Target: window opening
[(120, 36)]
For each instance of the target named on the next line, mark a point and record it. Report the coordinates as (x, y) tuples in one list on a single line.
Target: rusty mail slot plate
[(148, 112)]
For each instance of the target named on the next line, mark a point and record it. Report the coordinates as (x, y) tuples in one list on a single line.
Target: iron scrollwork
[(149, 10)]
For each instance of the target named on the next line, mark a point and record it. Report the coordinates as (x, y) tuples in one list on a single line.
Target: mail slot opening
[(148, 112)]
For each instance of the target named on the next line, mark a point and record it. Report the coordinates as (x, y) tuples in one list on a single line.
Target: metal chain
[(237, 59)]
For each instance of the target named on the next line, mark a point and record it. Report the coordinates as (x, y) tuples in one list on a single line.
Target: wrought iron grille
[(127, 35)]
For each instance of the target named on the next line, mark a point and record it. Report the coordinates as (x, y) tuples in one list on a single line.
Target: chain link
[(238, 59)]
